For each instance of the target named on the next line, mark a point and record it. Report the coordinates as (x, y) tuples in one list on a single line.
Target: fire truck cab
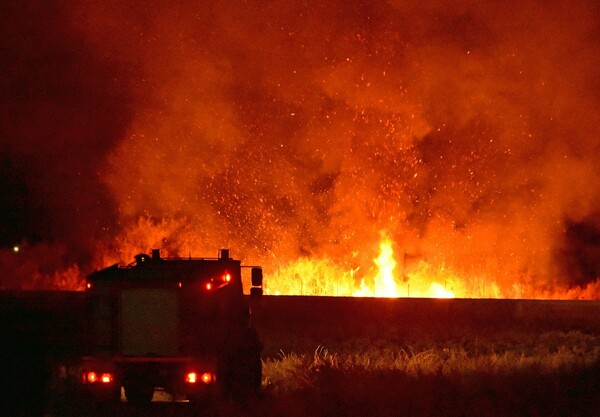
[(180, 324)]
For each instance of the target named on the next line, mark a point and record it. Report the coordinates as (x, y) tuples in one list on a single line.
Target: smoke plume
[(465, 131)]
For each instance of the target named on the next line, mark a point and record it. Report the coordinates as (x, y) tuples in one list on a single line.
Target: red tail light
[(92, 377), (206, 377)]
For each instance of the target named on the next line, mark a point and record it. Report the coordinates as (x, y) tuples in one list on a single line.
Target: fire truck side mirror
[(257, 277), (257, 281)]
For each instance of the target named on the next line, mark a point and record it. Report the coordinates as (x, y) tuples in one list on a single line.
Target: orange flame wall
[(295, 133), (312, 137)]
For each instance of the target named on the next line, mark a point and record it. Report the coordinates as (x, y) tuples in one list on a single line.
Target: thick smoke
[(63, 109), (467, 132)]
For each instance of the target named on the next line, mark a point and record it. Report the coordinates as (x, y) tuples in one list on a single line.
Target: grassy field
[(496, 359), (552, 374)]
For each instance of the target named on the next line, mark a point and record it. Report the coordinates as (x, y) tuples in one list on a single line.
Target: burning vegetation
[(351, 148)]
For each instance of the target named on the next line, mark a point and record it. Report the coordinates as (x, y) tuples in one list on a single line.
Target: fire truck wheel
[(91, 404), (241, 367), (253, 362), (202, 405), (139, 393)]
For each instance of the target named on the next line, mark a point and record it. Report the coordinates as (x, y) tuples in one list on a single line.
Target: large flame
[(315, 278), (390, 278), (384, 283)]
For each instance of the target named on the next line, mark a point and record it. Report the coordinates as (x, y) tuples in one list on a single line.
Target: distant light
[(208, 286), (16, 249)]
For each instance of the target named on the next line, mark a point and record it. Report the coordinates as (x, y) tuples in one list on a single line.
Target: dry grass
[(551, 374), (548, 352)]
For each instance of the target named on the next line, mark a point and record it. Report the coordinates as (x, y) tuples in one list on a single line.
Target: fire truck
[(178, 324)]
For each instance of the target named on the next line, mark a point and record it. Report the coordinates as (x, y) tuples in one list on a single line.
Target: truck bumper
[(190, 377)]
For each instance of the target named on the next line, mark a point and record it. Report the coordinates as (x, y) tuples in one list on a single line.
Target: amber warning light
[(216, 283)]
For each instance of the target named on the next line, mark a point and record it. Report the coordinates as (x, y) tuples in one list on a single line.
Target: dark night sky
[(302, 130), (63, 109)]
